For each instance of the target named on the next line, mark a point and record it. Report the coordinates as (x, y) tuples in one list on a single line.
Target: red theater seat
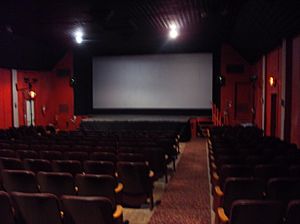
[(83, 210), (38, 208)]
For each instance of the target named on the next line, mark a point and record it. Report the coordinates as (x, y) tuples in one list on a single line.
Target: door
[(30, 112), (273, 114), (243, 102)]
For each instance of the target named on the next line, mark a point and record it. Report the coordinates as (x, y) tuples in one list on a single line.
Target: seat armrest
[(119, 188), (118, 212), (222, 216), (151, 174), (217, 197), (218, 191), (215, 176), (213, 166)]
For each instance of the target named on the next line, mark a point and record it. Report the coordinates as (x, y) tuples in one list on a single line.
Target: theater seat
[(238, 188), (36, 165), (11, 164), (293, 212), (27, 154), (231, 171), (19, 180), (103, 156), (56, 183), (51, 155), (138, 183), (80, 156), (36, 208), (131, 157), (98, 185), (283, 189), (253, 211), (8, 153), (6, 211), (99, 167), (70, 166), (268, 171), (83, 210)]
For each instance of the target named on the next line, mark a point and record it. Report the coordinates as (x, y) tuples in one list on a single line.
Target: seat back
[(241, 188), (97, 185), (80, 156), (11, 164), (267, 171), (36, 165), (234, 171), (134, 176), (292, 213), (36, 208), (256, 211), (83, 210), (8, 153), (103, 156), (157, 160), (19, 180), (69, 166), (99, 167), (56, 183), (27, 154), (131, 157), (6, 211), (294, 171), (51, 155), (283, 189)]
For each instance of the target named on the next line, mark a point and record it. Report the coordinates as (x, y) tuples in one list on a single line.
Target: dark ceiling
[(34, 34)]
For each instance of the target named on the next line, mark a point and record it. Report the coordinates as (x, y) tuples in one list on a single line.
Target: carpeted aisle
[(187, 199)]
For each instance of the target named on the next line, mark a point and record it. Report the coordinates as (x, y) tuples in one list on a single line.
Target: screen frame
[(83, 99)]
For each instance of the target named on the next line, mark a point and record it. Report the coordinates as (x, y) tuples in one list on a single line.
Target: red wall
[(257, 70), (54, 95), (273, 68), (42, 88), (5, 99), (295, 102), (236, 94)]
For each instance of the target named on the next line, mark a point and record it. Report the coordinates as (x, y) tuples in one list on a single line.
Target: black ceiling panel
[(35, 34)]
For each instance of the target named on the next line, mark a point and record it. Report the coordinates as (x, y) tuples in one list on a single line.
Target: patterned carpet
[(187, 200)]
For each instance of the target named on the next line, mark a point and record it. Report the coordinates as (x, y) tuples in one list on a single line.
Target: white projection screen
[(169, 81)]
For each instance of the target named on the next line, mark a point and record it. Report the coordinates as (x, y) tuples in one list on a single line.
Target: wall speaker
[(221, 80)]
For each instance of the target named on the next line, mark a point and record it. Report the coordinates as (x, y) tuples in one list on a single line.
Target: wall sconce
[(272, 81), (32, 94)]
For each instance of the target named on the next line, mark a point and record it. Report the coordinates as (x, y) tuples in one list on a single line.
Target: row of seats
[(74, 144), (283, 189), (244, 165), (37, 208), (59, 183), (74, 158), (262, 171), (261, 212), (136, 177), (71, 161)]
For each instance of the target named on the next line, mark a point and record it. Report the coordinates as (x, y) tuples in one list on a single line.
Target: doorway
[(30, 113), (273, 114)]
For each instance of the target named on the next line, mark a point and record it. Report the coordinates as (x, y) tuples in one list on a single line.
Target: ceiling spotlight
[(173, 26), (78, 34), (173, 34)]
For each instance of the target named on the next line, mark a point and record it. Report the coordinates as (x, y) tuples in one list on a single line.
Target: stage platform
[(143, 118)]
